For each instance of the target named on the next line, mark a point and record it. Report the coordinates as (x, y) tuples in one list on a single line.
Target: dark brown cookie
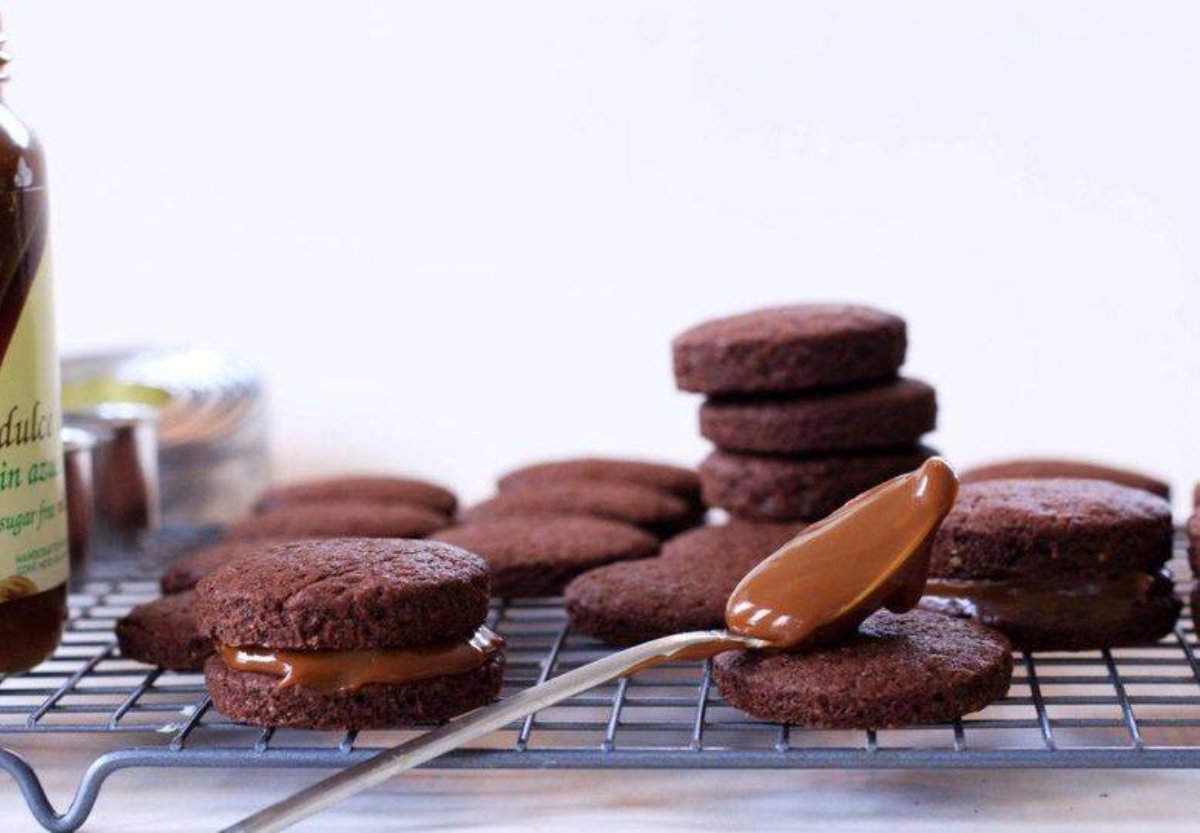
[(186, 571), (339, 520), (1135, 609), (1006, 529), (258, 699), (1042, 469), (886, 415), (531, 556), (363, 489), (164, 632), (683, 590), (898, 671), (346, 594), (679, 481), (771, 488), (792, 348), (651, 509)]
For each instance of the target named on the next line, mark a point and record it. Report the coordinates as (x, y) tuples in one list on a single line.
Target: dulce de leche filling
[(1016, 600), (332, 671)]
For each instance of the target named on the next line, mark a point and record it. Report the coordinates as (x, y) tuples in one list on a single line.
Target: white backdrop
[(459, 235)]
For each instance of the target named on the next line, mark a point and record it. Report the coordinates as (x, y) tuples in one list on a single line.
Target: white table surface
[(185, 800)]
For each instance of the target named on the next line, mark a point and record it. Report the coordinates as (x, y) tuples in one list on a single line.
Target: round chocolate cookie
[(346, 594), (1043, 529), (897, 671), (532, 556), (185, 572), (679, 481), (1043, 469), (339, 520), (783, 349), (685, 589), (164, 632), (259, 700), (887, 415), (798, 488), (363, 489), (651, 509)]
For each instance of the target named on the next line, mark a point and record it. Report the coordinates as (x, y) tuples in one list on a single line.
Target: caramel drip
[(871, 553), (332, 671)]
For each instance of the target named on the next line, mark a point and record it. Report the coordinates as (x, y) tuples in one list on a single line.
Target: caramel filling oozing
[(333, 671)]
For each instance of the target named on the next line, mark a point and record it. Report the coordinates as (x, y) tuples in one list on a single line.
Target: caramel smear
[(872, 553), (333, 671)]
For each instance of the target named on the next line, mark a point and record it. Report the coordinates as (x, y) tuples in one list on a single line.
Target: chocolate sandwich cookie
[(185, 572), (537, 556), (1043, 469), (350, 634), (765, 487), (164, 632), (339, 520), (685, 589), (679, 481), (1057, 564), (363, 489), (886, 415), (897, 671), (653, 510), (792, 348)]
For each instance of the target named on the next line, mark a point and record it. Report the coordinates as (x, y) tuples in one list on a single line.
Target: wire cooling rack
[(1124, 708)]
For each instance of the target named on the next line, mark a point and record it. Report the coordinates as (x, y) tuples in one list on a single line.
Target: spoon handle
[(451, 735)]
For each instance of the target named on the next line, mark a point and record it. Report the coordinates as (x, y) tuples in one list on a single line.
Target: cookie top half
[(363, 489), (679, 481), (346, 594), (651, 509), (338, 519), (789, 348), (1030, 529), (1042, 468)]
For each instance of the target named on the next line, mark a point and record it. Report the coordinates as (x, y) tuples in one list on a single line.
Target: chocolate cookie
[(186, 571), (1057, 564), (898, 671), (346, 594), (363, 489), (679, 481), (531, 556), (339, 520), (685, 589), (258, 699), (1041, 469), (651, 509), (793, 348), (798, 488), (886, 415), (164, 632), (1005, 529)]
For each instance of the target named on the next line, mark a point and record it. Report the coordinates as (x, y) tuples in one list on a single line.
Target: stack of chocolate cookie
[(805, 407)]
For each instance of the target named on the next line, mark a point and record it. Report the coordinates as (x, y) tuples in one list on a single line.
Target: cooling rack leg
[(35, 795)]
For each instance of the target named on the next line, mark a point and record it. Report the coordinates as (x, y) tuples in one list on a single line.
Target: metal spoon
[(439, 741)]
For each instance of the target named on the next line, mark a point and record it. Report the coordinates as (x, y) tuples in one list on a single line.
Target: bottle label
[(33, 519)]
